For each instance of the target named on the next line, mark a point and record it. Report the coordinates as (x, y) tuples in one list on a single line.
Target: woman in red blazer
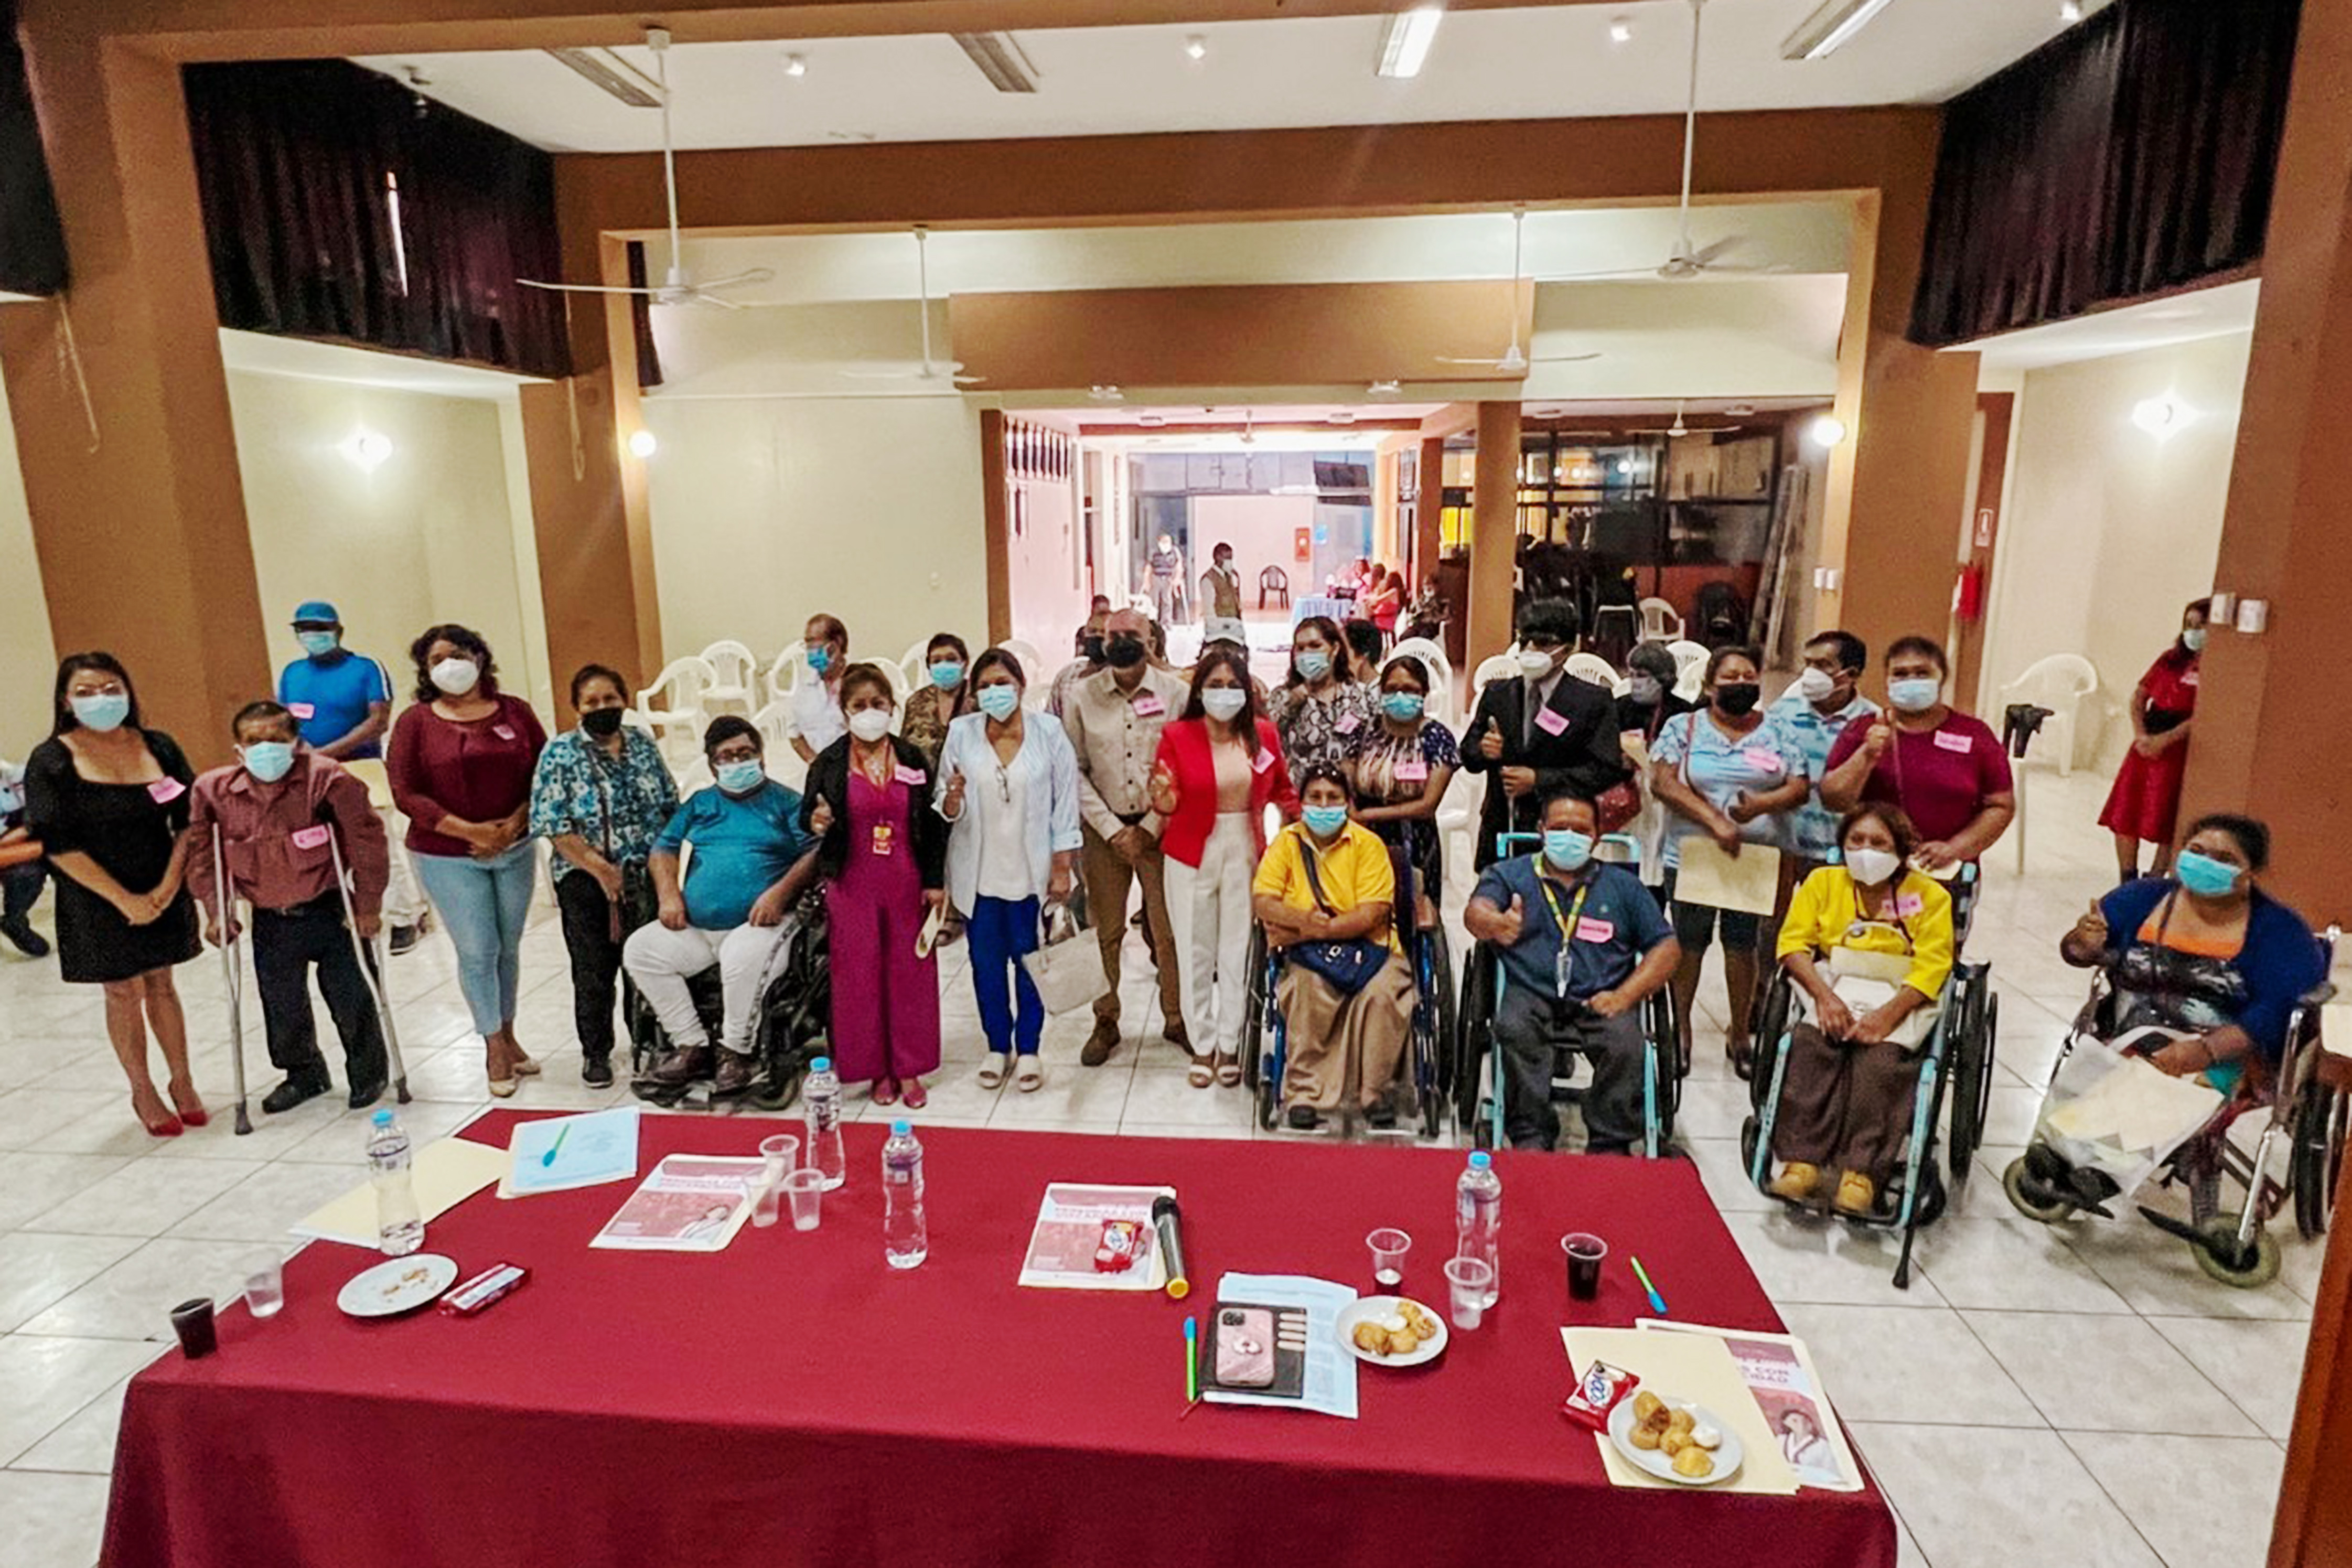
[(1218, 768)]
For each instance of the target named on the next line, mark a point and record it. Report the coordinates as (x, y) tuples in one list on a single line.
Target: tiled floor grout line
[(2116, 1503)]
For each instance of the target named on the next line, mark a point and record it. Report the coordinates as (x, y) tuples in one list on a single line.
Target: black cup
[(1585, 1254), (194, 1321)]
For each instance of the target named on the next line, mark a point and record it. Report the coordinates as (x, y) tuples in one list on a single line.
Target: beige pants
[(1110, 881), (1341, 1046)]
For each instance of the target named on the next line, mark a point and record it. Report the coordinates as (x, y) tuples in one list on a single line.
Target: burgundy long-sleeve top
[(476, 772)]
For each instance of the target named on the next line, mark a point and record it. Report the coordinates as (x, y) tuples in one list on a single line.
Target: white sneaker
[(1030, 1076), (991, 1071)]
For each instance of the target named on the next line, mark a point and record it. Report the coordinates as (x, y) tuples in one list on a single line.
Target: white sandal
[(1029, 1076), (991, 1071)]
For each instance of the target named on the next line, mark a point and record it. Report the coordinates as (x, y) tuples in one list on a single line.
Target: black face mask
[(1739, 698), (1124, 652), (603, 723), (1091, 647)]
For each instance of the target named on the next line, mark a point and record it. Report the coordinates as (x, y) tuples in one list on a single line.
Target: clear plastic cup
[(782, 1153), (804, 1189), (1470, 1278), (1585, 1254), (264, 1283), (1389, 1246)]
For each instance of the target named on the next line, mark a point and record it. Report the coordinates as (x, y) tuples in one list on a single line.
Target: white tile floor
[(2037, 1395)]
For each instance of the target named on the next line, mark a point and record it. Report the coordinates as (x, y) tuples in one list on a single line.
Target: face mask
[(1915, 696), (1324, 820), (947, 675), (457, 677), (1567, 848), (603, 723), (1314, 664), (104, 711), (1403, 706), (820, 659), (999, 701), (1645, 690), (1738, 697), (741, 777), (1223, 702), (269, 760), (1534, 663), (870, 724), (318, 644), (1090, 648), (1872, 866), (2193, 639), (2204, 875), (1815, 685), (1124, 652)]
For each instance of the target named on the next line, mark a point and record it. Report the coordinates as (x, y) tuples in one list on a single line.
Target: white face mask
[(457, 677), (1222, 702), (1534, 663), (1815, 685), (870, 724), (1872, 866)]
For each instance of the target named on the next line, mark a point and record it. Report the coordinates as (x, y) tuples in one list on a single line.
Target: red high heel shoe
[(197, 1116)]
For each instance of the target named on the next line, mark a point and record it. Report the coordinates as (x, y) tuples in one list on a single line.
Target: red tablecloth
[(792, 1400)]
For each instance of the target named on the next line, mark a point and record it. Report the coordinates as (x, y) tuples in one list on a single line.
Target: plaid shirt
[(617, 807)]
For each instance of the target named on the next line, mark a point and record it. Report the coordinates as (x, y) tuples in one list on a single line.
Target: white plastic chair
[(1661, 622), (1033, 663), (2059, 683), (1457, 818), (680, 687), (1592, 668), (1501, 667), (915, 666), (787, 669), (1690, 668), (1441, 668), (736, 677), (774, 724)]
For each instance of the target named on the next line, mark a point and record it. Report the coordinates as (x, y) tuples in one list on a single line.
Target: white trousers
[(661, 961), (1210, 909)]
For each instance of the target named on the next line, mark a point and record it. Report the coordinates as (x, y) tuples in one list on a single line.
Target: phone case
[(1245, 1347)]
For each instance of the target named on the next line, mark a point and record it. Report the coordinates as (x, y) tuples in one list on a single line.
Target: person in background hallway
[(108, 801), (1089, 649), (1381, 605), (282, 812), (461, 766), (1219, 767), (816, 704), (1166, 581), (1946, 770), (599, 795), (1113, 719), (884, 860), (1322, 707), (1008, 787), (1221, 586), (2145, 804), (342, 700), (20, 885), (1365, 648), (1540, 734), (943, 696)]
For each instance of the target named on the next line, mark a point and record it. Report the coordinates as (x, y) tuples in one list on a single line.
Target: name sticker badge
[(1909, 904), (885, 841), (1261, 761), (2189, 679), (503, 731), (1148, 706), (302, 709), (913, 778), (1948, 741), (1413, 769), (1348, 723), (1763, 761), (310, 837), (1590, 930), (1551, 721), (163, 792)]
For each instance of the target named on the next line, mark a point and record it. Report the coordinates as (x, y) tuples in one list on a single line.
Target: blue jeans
[(1000, 931), (484, 904)]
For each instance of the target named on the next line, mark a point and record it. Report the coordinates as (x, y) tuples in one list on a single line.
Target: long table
[(793, 1400)]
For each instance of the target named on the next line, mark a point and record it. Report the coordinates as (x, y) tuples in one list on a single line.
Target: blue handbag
[(1346, 966)]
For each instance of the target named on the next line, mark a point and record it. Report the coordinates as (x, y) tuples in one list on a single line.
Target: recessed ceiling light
[(2069, 11), (1384, 388), (1740, 410), (368, 449), (2160, 416), (1106, 394), (1406, 38), (1620, 30), (1341, 417), (1827, 29), (1151, 421), (796, 65), (1196, 47)]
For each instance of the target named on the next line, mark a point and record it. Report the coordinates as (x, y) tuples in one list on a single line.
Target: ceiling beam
[(1233, 428)]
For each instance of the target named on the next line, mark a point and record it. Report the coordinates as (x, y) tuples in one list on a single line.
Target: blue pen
[(1191, 1361), (1657, 1302)]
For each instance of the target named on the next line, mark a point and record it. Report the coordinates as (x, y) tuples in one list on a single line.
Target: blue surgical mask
[(269, 761), (1403, 706), (999, 701), (1915, 696), (947, 675), (2193, 639), (1223, 702), (2204, 875), (1324, 820), (741, 778), (1567, 848), (1314, 664), (820, 659), (318, 644), (101, 711)]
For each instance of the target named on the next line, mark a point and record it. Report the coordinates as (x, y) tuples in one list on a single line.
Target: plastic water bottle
[(1478, 1218), (399, 1223), (906, 1241), (821, 1097)]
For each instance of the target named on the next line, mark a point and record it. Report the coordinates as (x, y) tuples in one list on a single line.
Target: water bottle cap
[(1481, 1160), (900, 1128), (383, 1119), (822, 1064)]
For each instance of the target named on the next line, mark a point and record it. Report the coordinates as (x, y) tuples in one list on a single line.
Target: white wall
[(27, 657), (2109, 529)]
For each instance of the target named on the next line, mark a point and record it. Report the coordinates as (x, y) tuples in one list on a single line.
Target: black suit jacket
[(1583, 755), (828, 781)]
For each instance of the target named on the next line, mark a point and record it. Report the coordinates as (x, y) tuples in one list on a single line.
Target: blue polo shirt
[(742, 848), (330, 697), (1617, 924), (1812, 826)]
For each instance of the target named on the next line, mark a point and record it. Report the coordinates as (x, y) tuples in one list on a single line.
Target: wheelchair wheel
[(2245, 1269), (2315, 1157), (1474, 1040), (1771, 1028), (1256, 1010), (1970, 1067), (1928, 1206), (1749, 1130), (2014, 1181)]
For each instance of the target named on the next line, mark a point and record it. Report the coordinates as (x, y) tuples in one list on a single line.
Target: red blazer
[(1184, 762)]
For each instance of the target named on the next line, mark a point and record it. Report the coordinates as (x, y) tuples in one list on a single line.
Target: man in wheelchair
[(1581, 945), (749, 866)]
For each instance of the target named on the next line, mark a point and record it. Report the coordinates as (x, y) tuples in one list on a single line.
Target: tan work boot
[(1796, 1182), (1856, 1193)]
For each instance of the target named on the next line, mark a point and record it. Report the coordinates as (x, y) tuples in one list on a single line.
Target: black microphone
[(1167, 1219)]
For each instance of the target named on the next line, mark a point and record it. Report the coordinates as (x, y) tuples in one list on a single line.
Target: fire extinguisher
[(1967, 593)]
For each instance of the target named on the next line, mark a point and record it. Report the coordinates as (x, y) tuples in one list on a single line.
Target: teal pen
[(555, 1148), (1657, 1302)]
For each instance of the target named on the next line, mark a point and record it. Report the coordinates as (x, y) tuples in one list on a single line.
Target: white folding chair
[(679, 687), (1593, 669), (1441, 668), (915, 664), (1501, 667), (735, 683), (1661, 622), (2060, 683), (1690, 667), (787, 669)]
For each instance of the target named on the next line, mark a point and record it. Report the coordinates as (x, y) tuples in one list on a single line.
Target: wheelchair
[(1477, 1076), (795, 1016), (2306, 1102)]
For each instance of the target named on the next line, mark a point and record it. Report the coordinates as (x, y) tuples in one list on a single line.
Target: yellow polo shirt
[(1825, 911), (1355, 871)]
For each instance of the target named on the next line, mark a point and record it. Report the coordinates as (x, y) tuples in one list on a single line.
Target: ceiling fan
[(927, 369), (676, 288), (1514, 360), (1687, 259), (1681, 428)]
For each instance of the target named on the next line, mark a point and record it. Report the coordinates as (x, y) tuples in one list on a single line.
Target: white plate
[(397, 1285), (1382, 1308), (1728, 1459)]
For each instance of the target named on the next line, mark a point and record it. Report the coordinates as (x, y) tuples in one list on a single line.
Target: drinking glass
[(782, 1152), (264, 1283), (1470, 1278), (805, 1189), (1585, 1254), (1389, 1246)]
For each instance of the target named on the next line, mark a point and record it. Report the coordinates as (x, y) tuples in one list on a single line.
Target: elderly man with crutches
[(277, 828)]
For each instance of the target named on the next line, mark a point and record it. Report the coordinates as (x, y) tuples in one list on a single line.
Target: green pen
[(1657, 1302), (1192, 1361)]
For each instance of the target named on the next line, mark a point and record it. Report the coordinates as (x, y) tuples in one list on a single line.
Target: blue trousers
[(1000, 931), (483, 905)]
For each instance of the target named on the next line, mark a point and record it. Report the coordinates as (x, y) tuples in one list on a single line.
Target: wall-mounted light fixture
[(1825, 431), (368, 450), (642, 444), (2161, 416)]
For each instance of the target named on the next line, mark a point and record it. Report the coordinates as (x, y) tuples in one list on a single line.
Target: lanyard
[(1563, 961)]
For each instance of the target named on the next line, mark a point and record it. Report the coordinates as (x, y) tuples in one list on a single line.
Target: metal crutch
[(227, 906), (365, 952)]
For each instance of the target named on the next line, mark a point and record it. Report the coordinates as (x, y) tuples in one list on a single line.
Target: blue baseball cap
[(317, 610)]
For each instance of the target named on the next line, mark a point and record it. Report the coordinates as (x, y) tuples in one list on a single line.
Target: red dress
[(2146, 802)]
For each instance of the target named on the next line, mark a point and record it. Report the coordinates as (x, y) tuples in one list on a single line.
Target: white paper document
[(558, 1153), (1064, 1246)]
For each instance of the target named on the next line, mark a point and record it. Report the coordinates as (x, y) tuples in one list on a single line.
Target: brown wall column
[(1494, 532), (1429, 509), (996, 524), (140, 522)]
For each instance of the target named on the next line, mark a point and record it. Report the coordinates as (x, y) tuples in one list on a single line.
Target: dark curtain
[(32, 242), (2131, 155), (296, 163), (641, 317)]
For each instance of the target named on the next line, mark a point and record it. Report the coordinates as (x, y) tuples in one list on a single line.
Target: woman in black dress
[(108, 801)]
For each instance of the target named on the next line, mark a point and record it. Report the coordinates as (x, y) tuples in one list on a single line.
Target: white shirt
[(816, 714), (1005, 871), (1042, 816)]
